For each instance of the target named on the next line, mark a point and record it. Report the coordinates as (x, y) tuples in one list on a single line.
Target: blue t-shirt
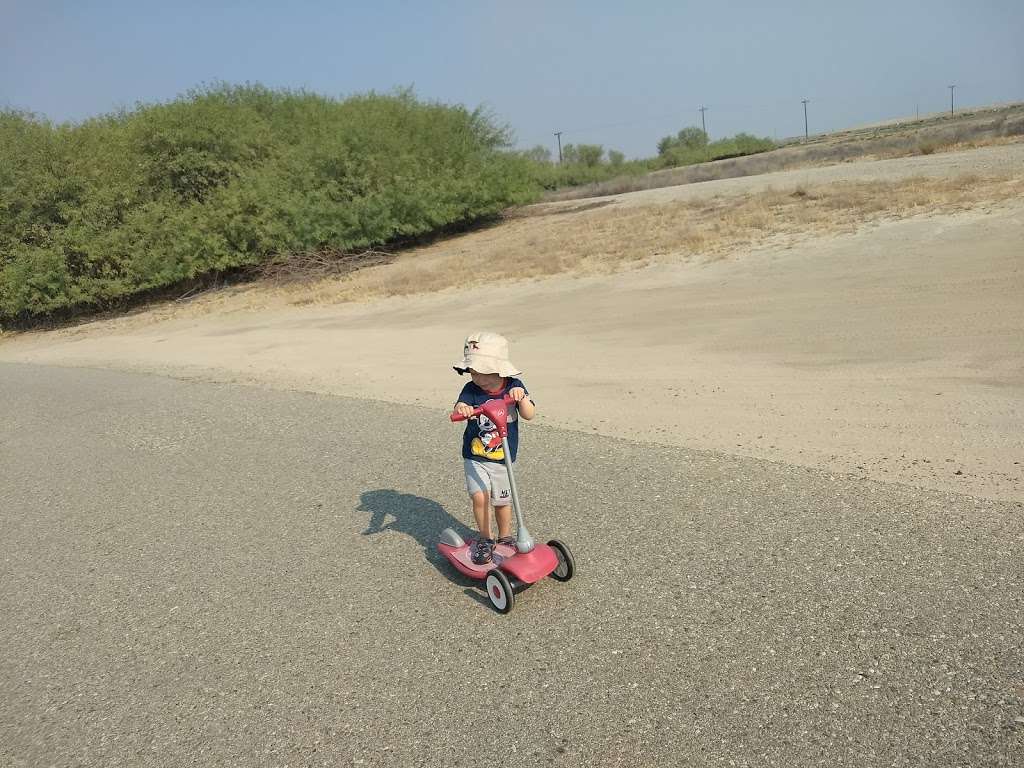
[(480, 441)]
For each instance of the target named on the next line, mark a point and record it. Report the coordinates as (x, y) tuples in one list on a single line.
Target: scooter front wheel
[(499, 591), (566, 565)]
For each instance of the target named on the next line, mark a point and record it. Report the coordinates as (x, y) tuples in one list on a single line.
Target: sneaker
[(508, 541), (480, 552)]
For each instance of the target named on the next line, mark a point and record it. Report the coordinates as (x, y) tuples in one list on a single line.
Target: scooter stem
[(524, 541)]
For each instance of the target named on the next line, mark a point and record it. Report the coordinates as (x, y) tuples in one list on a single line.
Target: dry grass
[(613, 238), (603, 238)]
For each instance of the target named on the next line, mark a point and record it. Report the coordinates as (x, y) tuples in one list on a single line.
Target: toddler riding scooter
[(511, 568)]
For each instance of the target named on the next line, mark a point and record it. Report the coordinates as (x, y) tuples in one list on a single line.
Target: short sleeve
[(465, 394)]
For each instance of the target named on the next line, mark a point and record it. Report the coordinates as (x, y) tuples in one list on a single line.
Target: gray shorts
[(488, 477)]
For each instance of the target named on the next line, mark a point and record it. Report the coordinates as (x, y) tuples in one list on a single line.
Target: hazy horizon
[(595, 72)]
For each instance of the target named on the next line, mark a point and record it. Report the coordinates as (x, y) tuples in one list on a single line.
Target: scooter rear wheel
[(566, 565), (499, 591)]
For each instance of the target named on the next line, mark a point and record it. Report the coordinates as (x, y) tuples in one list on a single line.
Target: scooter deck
[(460, 557), (527, 568)]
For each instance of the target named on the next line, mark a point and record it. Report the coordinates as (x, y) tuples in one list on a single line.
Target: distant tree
[(589, 155), (538, 154), (688, 138), (615, 157), (692, 137)]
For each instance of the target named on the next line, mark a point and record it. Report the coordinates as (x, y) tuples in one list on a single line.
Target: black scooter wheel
[(566, 565), (499, 591)]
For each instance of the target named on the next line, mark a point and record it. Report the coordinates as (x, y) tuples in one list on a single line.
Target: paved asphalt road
[(208, 575)]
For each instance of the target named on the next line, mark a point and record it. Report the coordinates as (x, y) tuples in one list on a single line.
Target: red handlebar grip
[(454, 416), (477, 411)]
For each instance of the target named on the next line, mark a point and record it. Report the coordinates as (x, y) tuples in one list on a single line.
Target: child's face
[(488, 381)]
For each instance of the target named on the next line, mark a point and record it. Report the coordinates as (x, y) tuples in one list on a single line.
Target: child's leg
[(482, 514), (478, 483), (481, 551), (501, 495), (503, 515), (479, 486)]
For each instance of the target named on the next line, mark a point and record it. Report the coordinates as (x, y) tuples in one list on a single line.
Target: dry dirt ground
[(810, 323)]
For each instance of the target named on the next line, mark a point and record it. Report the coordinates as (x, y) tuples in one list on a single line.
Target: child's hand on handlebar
[(466, 411)]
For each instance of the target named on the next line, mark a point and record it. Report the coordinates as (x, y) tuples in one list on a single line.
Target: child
[(485, 357)]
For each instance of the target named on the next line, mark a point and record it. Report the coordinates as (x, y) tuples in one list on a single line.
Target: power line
[(951, 87), (806, 134), (745, 108), (703, 127), (558, 135)]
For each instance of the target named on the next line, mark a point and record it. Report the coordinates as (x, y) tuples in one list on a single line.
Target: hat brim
[(486, 364)]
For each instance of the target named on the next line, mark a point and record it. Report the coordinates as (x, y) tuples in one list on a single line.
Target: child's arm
[(527, 409), (461, 407)]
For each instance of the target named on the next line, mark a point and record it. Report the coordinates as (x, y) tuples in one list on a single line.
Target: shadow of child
[(422, 519)]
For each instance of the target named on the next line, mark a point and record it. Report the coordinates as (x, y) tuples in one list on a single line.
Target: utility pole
[(804, 102), (951, 87), (558, 135), (703, 127)]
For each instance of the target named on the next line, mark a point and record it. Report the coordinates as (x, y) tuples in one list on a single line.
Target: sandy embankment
[(895, 352)]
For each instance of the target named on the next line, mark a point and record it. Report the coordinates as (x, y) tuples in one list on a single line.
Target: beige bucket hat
[(486, 352)]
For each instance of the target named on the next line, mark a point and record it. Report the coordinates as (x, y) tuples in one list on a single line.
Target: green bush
[(229, 176), (578, 168), (586, 164), (688, 139), (691, 146), (589, 155)]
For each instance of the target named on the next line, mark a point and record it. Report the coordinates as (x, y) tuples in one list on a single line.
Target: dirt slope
[(892, 352)]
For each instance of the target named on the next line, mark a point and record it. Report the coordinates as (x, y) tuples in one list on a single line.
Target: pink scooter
[(511, 567)]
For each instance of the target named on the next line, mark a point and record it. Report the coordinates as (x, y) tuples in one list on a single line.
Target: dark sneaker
[(480, 552), (508, 541)]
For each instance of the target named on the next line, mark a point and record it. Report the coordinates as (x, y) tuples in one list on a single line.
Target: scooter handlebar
[(455, 416)]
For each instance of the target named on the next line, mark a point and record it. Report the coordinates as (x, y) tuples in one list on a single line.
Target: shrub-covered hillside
[(226, 177)]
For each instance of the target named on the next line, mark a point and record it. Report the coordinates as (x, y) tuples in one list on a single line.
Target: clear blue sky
[(612, 73)]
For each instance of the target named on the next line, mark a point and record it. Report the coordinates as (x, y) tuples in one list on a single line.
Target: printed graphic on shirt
[(480, 440), (488, 443)]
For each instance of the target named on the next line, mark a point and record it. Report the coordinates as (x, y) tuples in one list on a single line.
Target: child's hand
[(517, 393), (523, 402), (464, 410)]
